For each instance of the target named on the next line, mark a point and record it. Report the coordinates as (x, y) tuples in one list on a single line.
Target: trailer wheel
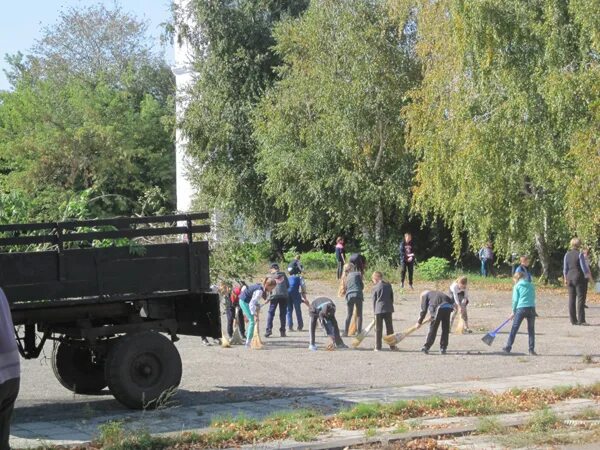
[(143, 370), (76, 369)]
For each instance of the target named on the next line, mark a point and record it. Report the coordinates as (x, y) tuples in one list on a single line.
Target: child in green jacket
[(523, 306)]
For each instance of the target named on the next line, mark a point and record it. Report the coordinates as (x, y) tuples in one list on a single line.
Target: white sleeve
[(254, 302), (454, 289)]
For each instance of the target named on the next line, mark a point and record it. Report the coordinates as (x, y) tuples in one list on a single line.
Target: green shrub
[(434, 269), (313, 260)]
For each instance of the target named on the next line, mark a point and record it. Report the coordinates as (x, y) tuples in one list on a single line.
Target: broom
[(236, 339), (225, 342), (256, 343), (363, 334), (393, 339), (460, 326), (352, 327), (489, 338)]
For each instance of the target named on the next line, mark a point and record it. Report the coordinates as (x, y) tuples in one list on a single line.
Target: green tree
[(330, 131), (91, 109), (506, 88), (235, 64)]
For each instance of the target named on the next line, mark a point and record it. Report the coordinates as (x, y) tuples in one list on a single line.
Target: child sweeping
[(458, 291), (383, 307), (523, 306), (440, 306), (352, 287), (250, 303), (322, 310)]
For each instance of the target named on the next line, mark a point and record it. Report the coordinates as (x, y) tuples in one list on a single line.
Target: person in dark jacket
[(296, 296), (576, 274), (322, 310), (340, 256), (10, 372), (278, 299), (353, 292), (383, 307), (440, 306), (359, 261), (232, 307), (407, 259)]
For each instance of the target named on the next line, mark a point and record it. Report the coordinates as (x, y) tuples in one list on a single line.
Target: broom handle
[(502, 325)]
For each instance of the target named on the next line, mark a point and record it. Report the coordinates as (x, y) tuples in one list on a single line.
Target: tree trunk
[(379, 227), (542, 249)]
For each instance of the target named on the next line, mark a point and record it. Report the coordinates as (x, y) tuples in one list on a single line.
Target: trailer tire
[(77, 370), (143, 370)]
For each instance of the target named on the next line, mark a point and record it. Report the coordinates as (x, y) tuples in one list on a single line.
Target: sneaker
[(506, 350), (443, 351), (268, 334), (401, 285), (425, 350), (282, 334), (217, 341), (376, 349), (312, 348), (342, 345), (290, 329), (469, 331), (584, 324), (393, 348), (300, 329), (532, 353), (206, 343), (586, 306), (411, 287)]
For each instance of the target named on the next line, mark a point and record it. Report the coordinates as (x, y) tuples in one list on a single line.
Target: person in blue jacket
[(523, 306), (296, 295)]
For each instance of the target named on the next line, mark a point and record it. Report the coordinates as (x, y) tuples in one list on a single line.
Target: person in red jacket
[(233, 310)]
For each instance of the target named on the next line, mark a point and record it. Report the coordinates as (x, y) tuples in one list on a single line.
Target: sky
[(21, 22)]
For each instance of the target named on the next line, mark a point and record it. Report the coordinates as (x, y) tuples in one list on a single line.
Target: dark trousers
[(274, 303), (442, 317), (404, 267), (8, 394), (235, 312), (314, 318), (353, 302), (294, 303), (577, 296), (487, 266), (340, 269), (389, 328), (520, 314)]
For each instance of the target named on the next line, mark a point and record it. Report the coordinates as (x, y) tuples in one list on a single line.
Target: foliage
[(330, 132), (434, 269), (507, 89), (234, 61), (313, 260), (74, 122), (543, 420)]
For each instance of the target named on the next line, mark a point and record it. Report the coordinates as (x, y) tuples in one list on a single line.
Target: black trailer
[(109, 308)]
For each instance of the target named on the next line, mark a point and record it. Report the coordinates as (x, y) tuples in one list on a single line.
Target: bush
[(313, 260), (434, 269)]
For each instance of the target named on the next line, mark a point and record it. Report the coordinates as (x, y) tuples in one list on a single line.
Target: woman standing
[(340, 256)]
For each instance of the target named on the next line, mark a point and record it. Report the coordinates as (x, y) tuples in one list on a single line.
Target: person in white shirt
[(458, 291)]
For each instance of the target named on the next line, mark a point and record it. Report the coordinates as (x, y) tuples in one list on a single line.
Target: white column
[(184, 77)]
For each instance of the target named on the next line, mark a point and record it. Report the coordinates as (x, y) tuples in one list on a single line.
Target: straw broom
[(362, 335), (352, 327), (236, 339), (460, 326), (393, 339), (225, 342), (256, 343)]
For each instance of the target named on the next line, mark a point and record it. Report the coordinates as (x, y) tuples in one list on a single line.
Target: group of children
[(287, 292)]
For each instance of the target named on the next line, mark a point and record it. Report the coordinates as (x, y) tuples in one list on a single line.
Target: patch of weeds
[(362, 411), (402, 428), (587, 414), (370, 432), (114, 437), (111, 433), (490, 425), (542, 421), (588, 359)]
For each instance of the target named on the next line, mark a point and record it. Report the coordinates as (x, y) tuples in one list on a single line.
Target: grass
[(305, 425), (490, 425), (588, 414)]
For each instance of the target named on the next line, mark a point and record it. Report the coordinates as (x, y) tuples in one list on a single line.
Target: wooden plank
[(121, 222), (27, 226), (28, 240)]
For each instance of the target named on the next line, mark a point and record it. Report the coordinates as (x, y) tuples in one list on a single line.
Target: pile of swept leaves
[(306, 425)]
